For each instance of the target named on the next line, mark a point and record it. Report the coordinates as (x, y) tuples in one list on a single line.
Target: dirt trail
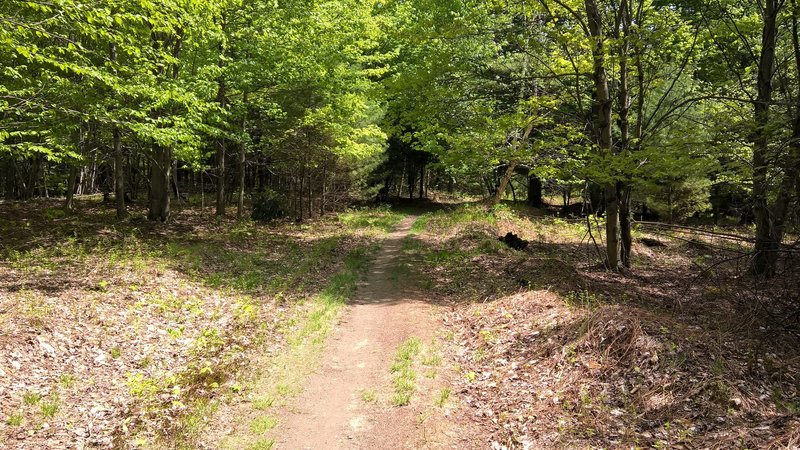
[(330, 413)]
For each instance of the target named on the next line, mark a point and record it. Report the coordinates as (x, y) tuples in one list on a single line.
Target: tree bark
[(10, 182), (602, 128), (221, 157), (535, 191), (242, 165), (119, 175), (766, 247), (626, 237), (160, 174), (422, 180), (72, 180), (624, 100), (501, 190)]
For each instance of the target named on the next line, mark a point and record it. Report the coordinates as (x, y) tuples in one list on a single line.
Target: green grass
[(15, 419), (420, 224), (404, 376), (369, 395), (31, 398), (263, 424), (381, 219), (50, 408), (442, 397), (263, 402), (67, 380), (262, 444)]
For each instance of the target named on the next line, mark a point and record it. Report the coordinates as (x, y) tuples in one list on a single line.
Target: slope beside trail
[(331, 412)]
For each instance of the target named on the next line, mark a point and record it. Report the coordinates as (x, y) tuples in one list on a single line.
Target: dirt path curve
[(330, 413)]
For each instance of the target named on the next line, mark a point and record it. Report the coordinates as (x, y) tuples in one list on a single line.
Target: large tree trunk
[(624, 101), (602, 128), (160, 171), (535, 191), (119, 175), (766, 246), (771, 222)]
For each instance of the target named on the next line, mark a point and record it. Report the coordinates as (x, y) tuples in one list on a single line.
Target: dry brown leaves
[(589, 359)]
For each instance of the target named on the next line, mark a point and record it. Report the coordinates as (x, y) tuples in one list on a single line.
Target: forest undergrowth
[(130, 334), (553, 351)]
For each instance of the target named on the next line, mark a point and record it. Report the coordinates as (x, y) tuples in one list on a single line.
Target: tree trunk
[(625, 225), (501, 189), (411, 182), (602, 128), (242, 165), (535, 191), (160, 171), (72, 180), (624, 100), (220, 141), (119, 175), (766, 247), (10, 182), (422, 180)]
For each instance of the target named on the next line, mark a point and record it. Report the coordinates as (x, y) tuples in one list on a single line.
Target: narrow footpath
[(332, 412)]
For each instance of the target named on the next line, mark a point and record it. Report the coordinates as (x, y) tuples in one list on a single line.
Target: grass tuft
[(50, 408), (31, 398), (442, 398), (263, 424), (15, 419), (404, 375), (369, 395)]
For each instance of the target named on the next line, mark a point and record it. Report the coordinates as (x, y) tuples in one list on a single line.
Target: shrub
[(268, 205)]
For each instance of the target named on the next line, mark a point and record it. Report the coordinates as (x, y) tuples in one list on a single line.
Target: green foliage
[(268, 205)]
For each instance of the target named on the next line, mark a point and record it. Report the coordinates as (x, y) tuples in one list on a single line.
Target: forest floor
[(380, 329), (553, 351), (131, 334)]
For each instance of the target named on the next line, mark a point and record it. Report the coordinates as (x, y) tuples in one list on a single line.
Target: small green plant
[(262, 403), (442, 397), (262, 444), (15, 419), (471, 376), (54, 213), (66, 380), (116, 352), (583, 299), (50, 408), (401, 398), (31, 398), (404, 375), (369, 395), (263, 424), (283, 389)]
